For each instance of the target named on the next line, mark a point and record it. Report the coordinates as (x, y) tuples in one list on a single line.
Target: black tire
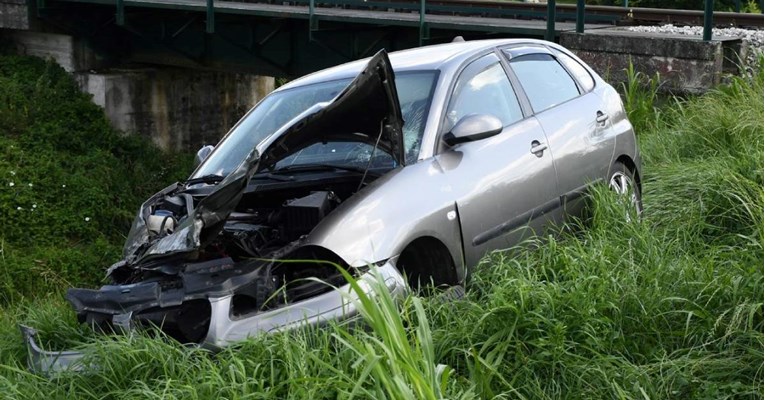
[(622, 181)]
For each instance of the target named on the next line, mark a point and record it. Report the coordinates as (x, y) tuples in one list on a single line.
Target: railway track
[(628, 15), (564, 12)]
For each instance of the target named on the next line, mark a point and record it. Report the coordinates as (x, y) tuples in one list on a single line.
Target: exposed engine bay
[(257, 255)]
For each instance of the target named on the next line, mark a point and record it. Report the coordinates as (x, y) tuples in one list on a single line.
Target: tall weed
[(641, 93)]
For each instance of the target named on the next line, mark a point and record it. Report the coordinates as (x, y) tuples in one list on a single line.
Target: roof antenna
[(458, 39)]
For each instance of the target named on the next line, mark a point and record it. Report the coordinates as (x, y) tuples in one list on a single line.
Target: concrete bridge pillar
[(178, 108)]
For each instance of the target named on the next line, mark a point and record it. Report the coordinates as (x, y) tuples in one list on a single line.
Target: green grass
[(670, 307)]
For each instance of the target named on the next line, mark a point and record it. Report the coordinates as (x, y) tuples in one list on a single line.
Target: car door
[(505, 182), (572, 117)]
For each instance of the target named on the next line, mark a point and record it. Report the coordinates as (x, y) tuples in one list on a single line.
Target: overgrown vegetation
[(641, 94), (69, 183), (666, 307)]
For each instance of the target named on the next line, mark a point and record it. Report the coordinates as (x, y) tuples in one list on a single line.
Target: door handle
[(601, 118), (538, 148)]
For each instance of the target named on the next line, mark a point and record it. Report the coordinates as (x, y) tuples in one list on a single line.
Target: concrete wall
[(178, 109), (685, 64), (14, 14), (70, 53)]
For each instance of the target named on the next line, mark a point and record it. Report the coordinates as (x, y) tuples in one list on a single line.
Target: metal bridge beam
[(708, 10), (424, 32), (210, 25), (120, 16), (550, 33)]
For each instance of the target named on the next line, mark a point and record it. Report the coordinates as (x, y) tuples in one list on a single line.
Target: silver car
[(411, 165)]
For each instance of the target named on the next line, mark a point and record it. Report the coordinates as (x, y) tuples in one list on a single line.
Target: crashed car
[(411, 165)]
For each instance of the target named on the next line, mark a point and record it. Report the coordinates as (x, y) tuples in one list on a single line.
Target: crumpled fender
[(194, 231)]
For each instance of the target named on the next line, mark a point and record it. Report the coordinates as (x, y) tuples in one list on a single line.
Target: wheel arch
[(423, 259), (628, 162)]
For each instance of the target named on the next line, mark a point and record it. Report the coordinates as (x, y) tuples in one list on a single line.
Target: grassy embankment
[(69, 183), (668, 307)]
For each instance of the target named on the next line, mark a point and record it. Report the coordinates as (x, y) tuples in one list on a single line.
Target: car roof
[(421, 58)]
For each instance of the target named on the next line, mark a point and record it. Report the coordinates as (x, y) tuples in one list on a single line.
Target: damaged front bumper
[(225, 329)]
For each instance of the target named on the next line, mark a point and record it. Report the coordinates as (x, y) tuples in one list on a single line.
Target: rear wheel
[(622, 181)]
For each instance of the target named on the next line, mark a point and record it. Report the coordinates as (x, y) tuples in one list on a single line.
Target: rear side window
[(580, 73), (544, 80)]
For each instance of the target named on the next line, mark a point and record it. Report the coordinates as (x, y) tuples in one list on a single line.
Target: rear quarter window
[(576, 69)]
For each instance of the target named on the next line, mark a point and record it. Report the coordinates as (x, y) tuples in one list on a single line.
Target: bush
[(69, 183)]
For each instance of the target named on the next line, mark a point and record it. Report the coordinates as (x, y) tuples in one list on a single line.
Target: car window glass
[(544, 80), (348, 154), (580, 73), (483, 91), (266, 118), (415, 90)]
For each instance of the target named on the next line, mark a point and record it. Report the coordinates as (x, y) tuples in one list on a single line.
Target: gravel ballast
[(753, 37)]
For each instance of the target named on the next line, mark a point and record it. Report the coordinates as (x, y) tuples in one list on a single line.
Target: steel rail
[(625, 15)]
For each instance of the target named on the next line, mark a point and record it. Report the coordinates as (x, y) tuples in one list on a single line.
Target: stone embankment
[(683, 61), (753, 38)]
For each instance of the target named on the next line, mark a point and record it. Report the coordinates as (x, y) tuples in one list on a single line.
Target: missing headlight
[(186, 323), (310, 271)]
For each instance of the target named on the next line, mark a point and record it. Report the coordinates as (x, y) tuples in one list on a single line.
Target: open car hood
[(367, 110)]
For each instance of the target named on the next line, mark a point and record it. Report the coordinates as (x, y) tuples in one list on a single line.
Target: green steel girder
[(120, 12), (198, 37), (210, 22), (468, 9)]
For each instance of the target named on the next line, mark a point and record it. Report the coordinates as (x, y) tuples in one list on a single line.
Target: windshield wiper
[(317, 167), (212, 178), (269, 175)]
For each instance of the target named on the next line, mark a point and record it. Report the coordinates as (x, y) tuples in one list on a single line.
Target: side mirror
[(473, 127), (202, 154)]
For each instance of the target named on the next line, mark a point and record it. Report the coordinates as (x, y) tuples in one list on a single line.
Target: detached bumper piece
[(221, 309), (46, 362)]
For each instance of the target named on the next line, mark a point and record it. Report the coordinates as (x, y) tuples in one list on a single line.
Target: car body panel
[(376, 223), (374, 84), (335, 305), (582, 148), (497, 181)]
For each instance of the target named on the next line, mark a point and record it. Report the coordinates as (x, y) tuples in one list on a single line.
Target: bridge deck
[(393, 18)]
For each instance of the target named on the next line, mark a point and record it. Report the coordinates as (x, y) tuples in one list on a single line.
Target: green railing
[(421, 7), (580, 13)]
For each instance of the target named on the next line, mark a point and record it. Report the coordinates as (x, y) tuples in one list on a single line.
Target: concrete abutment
[(685, 64), (177, 108)]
